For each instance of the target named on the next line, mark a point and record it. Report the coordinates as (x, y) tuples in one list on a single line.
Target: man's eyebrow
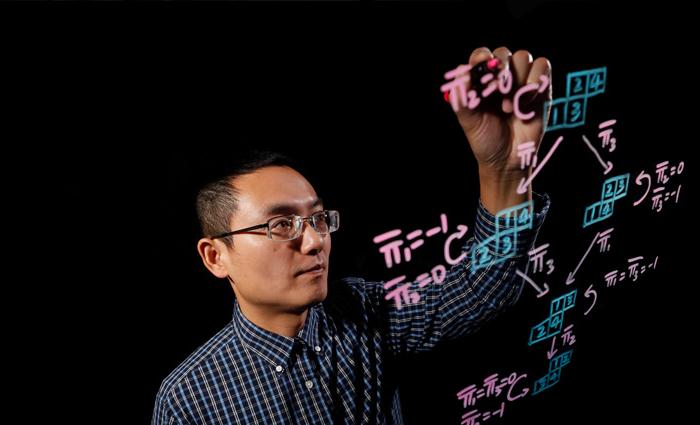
[(279, 209)]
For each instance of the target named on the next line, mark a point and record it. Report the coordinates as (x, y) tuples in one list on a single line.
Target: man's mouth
[(315, 269)]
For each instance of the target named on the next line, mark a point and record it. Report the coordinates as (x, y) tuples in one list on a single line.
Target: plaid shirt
[(335, 370)]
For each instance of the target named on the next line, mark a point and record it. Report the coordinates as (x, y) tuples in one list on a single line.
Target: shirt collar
[(274, 348)]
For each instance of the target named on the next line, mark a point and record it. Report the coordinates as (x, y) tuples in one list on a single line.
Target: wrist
[(499, 188)]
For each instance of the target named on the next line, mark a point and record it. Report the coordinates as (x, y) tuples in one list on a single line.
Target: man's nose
[(311, 239)]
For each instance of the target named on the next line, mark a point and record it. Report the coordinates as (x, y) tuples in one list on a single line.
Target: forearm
[(493, 285)]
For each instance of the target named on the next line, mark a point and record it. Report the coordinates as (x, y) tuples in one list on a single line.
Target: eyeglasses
[(288, 227)]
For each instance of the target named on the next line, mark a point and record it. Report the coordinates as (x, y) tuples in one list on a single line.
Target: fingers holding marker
[(485, 66), (505, 78), (493, 71), (521, 61), (515, 76), (459, 89), (503, 54), (541, 73), (479, 59), (482, 54), (536, 89)]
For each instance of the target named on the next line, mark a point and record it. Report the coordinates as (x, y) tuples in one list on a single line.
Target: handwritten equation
[(635, 267), (397, 250), (665, 172), (495, 388)]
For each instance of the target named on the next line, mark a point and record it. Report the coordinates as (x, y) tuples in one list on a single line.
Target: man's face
[(268, 272)]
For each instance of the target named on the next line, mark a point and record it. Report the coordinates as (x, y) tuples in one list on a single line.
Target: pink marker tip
[(493, 63)]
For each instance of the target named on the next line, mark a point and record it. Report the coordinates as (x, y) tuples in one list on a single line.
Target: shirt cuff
[(512, 233)]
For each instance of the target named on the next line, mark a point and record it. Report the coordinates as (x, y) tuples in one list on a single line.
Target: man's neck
[(281, 323)]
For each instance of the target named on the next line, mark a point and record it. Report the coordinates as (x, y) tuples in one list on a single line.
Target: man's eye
[(283, 224)]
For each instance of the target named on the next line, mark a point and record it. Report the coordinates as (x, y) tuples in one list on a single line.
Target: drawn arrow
[(570, 278), (553, 351), (540, 292), (524, 183), (607, 167)]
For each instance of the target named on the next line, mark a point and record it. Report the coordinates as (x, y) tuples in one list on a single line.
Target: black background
[(118, 112)]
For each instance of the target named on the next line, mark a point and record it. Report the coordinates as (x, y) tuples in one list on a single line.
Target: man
[(300, 352)]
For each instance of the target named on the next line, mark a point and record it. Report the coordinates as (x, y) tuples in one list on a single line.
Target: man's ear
[(211, 253)]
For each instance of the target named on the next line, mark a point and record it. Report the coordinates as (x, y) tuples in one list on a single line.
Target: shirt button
[(278, 368), (309, 384), (317, 348)]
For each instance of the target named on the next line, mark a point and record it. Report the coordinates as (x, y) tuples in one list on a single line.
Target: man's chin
[(310, 301), (317, 292), (309, 290)]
